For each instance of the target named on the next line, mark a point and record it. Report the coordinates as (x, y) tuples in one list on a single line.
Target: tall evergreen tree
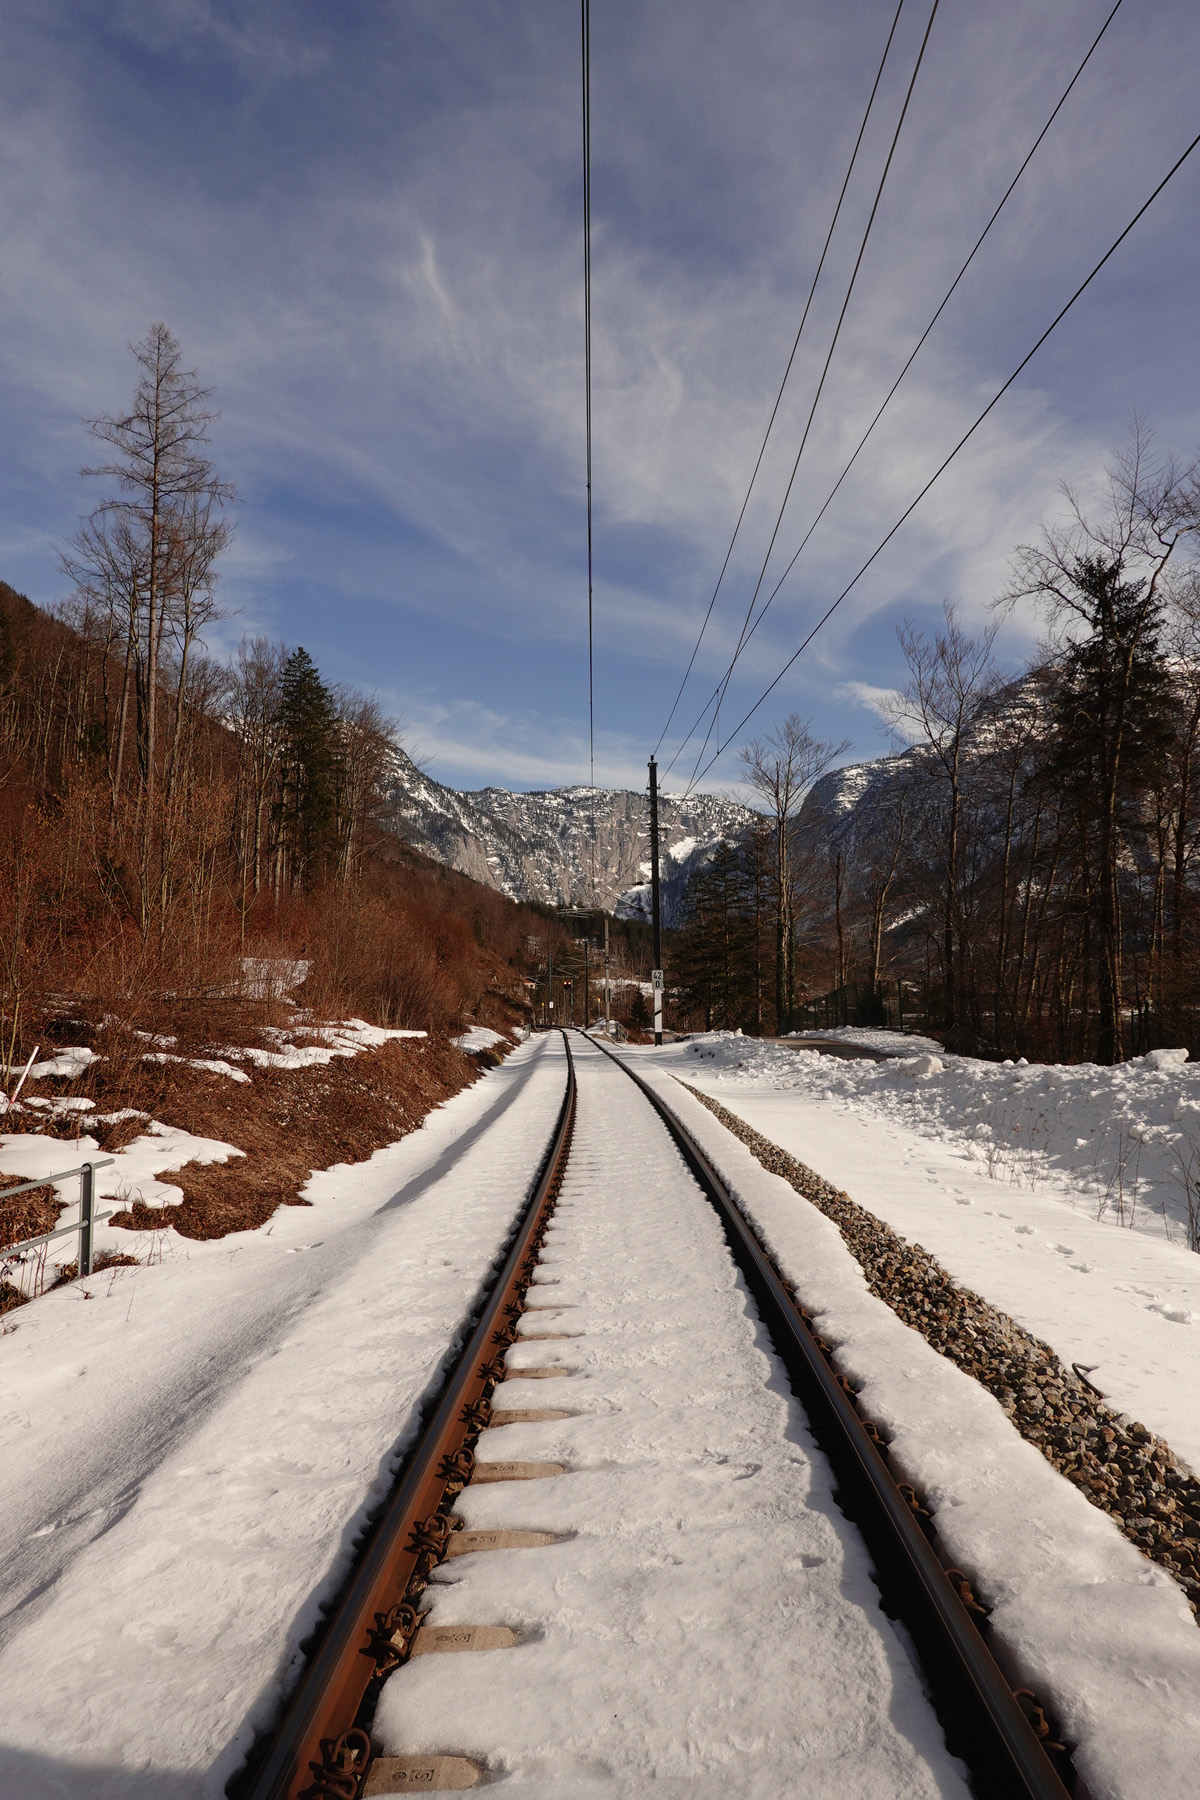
[(1114, 720), (308, 721), (715, 960)]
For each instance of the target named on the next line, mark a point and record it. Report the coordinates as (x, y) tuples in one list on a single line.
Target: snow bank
[(893, 1043), (1126, 1139)]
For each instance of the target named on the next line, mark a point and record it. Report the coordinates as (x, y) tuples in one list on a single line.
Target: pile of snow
[(1125, 1139), (890, 1043), (67, 1063), (479, 1037)]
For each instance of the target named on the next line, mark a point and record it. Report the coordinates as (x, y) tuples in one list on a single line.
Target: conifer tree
[(308, 721), (715, 960), (1113, 714)]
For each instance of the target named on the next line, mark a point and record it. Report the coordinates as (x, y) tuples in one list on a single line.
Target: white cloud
[(366, 232)]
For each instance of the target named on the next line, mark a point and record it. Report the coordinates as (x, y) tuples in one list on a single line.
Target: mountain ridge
[(540, 846)]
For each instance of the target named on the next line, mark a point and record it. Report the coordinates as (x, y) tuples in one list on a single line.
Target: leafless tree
[(781, 768), (148, 551), (950, 679)]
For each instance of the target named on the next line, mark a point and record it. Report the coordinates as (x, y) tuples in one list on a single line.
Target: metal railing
[(86, 1223)]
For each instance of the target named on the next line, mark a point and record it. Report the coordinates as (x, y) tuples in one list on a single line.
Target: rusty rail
[(1000, 1732), (319, 1750)]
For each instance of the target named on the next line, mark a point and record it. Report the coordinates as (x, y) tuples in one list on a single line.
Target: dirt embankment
[(290, 1122), (287, 1121)]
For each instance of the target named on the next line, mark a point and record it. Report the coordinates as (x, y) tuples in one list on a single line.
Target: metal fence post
[(87, 1217)]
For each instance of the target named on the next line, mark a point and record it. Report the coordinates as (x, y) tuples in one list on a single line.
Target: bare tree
[(950, 679), (781, 768), (150, 549)]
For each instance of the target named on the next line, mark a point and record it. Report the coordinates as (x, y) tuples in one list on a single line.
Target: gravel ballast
[(1116, 1462)]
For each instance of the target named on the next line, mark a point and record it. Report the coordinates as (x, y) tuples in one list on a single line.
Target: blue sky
[(363, 221)]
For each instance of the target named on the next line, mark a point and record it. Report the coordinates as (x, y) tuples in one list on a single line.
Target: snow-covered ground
[(1019, 1180), (709, 1626), (188, 1449), (1103, 1634)]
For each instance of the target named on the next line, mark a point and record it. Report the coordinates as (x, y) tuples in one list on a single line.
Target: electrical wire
[(585, 22), (944, 465), (787, 371), (833, 343), (722, 686)]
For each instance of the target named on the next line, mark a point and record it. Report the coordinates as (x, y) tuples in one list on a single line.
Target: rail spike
[(343, 1764)]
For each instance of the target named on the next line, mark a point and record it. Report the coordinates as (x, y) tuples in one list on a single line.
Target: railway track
[(454, 1497)]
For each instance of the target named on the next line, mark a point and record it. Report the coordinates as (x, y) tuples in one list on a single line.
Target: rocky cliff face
[(542, 846)]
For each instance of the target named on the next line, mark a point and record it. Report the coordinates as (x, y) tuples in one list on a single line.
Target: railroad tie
[(419, 1775), (463, 1543), (515, 1471), (437, 1640)]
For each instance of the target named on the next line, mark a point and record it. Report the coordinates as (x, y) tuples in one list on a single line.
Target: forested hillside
[(171, 824), (1023, 875)]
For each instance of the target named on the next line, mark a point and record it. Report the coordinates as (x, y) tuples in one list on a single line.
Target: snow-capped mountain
[(541, 846)]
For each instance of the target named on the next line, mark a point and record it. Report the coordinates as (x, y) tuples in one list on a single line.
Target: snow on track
[(186, 1459), (709, 1625)]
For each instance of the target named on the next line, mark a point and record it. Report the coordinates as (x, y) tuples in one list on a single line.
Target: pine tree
[(1113, 714), (308, 721), (714, 963)]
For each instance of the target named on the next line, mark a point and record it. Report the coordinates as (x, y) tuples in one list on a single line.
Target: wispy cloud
[(364, 224)]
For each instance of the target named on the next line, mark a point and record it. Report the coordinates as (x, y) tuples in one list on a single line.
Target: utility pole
[(656, 913), (587, 985)]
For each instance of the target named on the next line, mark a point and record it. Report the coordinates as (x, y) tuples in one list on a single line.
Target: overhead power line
[(585, 21), (719, 691), (787, 371), (816, 400), (945, 464)]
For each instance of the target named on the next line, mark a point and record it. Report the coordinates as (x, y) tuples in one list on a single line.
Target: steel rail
[(317, 1750), (979, 1708)]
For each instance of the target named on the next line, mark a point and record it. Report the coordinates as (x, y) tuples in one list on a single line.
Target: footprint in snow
[(1026, 1231)]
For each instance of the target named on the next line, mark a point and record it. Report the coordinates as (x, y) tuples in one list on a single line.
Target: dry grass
[(291, 1122), (27, 1215)]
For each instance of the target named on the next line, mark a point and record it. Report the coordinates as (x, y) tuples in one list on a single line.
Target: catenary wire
[(816, 399), (786, 373), (721, 687), (945, 464), (585, 21)]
